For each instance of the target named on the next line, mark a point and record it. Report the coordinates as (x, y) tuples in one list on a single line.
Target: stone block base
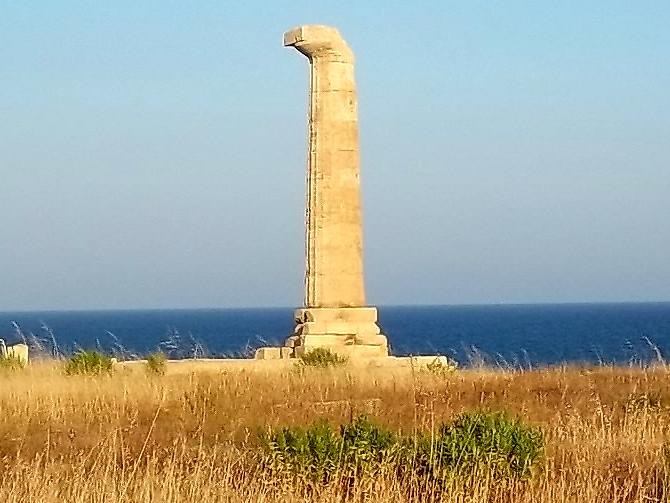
[(349, 331), (404, 365), (350, 351), (274, 353)]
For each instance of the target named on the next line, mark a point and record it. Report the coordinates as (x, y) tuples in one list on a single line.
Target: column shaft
[(334, 276)]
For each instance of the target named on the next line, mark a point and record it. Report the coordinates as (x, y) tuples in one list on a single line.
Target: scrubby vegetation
[(440, 368), (571, 435), (319, 455), (156, 363), (475, 443), (482, 442), (10, 363), (88, 363), (322, 357)]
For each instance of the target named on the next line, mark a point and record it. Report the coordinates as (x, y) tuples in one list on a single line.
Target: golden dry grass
[(191, 436)]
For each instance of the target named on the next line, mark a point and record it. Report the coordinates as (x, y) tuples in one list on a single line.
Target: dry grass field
[(193, 436)]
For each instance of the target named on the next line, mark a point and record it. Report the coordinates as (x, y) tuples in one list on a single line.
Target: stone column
[(335, 314)]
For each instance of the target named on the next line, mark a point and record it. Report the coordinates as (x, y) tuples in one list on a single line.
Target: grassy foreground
[(193, 437)]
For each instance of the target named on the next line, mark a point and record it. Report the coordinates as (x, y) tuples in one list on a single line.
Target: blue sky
[(152, 154)]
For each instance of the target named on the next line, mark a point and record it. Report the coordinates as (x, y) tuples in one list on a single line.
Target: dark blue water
[(518, 335)]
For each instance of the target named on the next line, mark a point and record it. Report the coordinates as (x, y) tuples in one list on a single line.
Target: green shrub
[(156, 363), (307, 453), (319, 454), (482, 442), (322, 357), (476, 444), (88, 363), (366, 446), (11, 363)]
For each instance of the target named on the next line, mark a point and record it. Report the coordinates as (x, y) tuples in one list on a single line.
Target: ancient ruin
[(18, 351), (335, 314)]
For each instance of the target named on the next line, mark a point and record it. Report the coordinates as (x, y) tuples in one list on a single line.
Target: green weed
[(156, 363), (322, 357), (88, 363), (483, 442), (11, 363), (486, 444)]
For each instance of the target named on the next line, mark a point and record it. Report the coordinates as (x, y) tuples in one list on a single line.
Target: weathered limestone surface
[(335, 313), (274, 361), (334, 275)]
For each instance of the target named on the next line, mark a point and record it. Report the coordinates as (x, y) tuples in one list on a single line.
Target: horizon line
[(250, 308)]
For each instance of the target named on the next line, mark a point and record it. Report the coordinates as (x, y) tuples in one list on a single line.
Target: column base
[(349, 331)]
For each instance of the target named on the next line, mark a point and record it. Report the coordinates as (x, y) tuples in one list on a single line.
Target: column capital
[(319, 41)]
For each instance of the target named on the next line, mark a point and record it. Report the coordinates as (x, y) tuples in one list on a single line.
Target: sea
[(518, 336)]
